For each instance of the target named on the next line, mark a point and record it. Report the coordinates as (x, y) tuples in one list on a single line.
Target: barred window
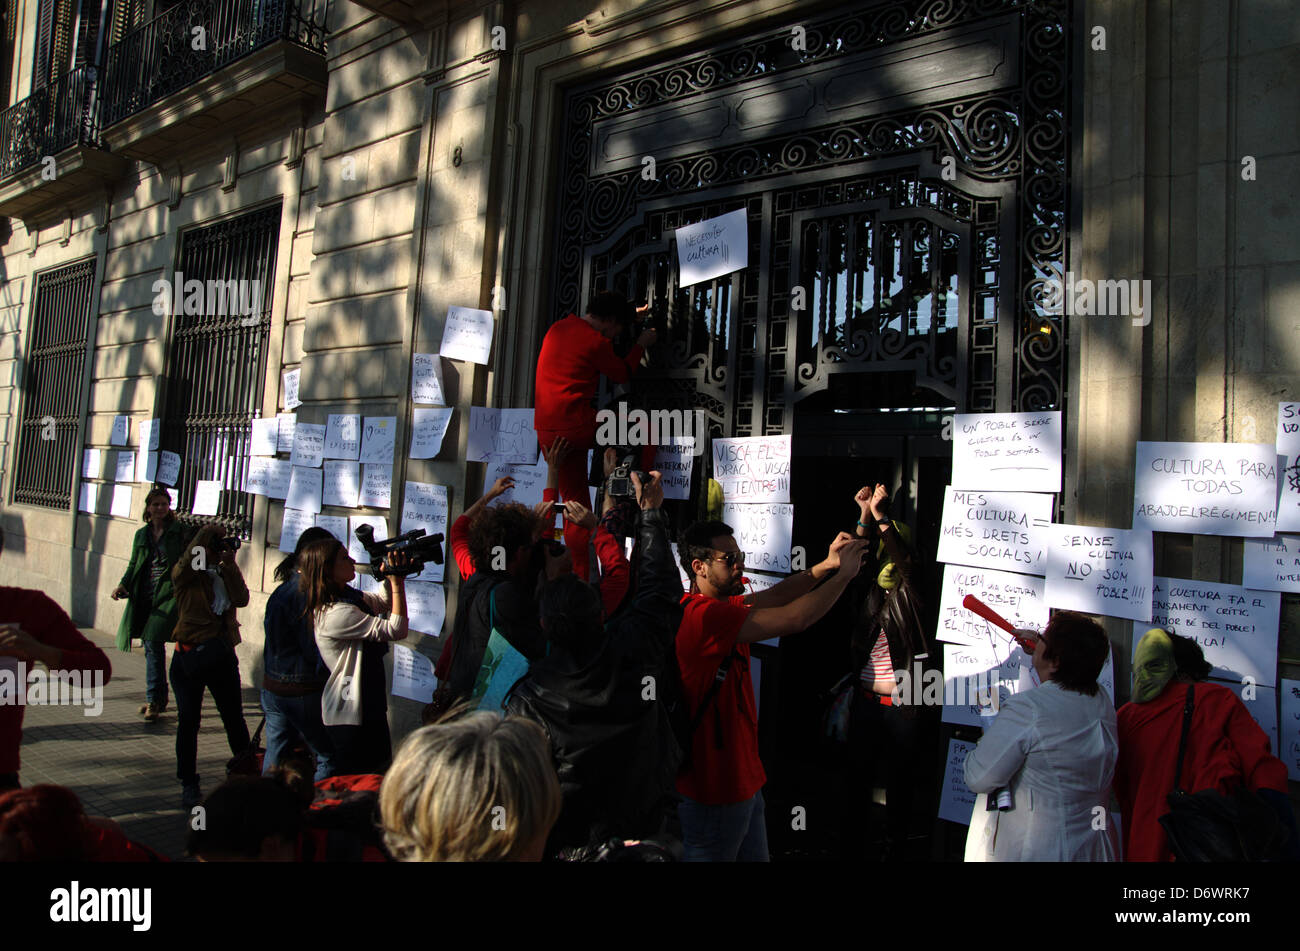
[(52, 386), (217, 366)]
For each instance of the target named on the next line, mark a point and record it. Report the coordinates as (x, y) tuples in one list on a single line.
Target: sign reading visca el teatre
[(753, 468), (1206, 488)]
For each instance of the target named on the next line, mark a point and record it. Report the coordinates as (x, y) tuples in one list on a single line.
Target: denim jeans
[(155, 672), (736, 832), (287, 719), (212, 666)]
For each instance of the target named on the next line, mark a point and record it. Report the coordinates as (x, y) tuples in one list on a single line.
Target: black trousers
[(212, 666), (888, 745)]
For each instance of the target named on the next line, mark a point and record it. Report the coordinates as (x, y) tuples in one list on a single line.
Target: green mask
[(1153, 665), (889, 576)]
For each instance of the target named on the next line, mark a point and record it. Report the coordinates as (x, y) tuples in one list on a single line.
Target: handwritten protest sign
[(1010, 452), (150, 434), (426, 607), (120, 435), (467, 335), (712, 248), (1236, 627), (1100, 571), (426, 379), (501, 435), (266, 437), (1261, 704), (428, 427), (378, 438), (530, 481), (146, 465), (674, 460), (1005, 531), (308, 445), (1288, 745), (342, 483), (753, 468), (1272, 564), (977, 678), (169, 467), (376, 485), (292, 381), (1206, 488), (124, 470), (292, 525), (343, 436), (256, 475), (1288, 475), (121, 505), (412, 673), (1018, 598), (288, 423), (92, 464), (764, 532), (207, 497), (956, 801), (305, 489), (336, 525), (424, 505)]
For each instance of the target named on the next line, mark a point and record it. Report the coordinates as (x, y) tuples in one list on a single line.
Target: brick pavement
[(120, 766)]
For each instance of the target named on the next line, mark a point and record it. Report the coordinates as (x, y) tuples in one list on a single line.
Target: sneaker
[(151, 712), (144, 708), (191, 796)]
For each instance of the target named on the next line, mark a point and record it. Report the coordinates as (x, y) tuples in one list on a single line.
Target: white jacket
[(340, 630), (1055, 749)]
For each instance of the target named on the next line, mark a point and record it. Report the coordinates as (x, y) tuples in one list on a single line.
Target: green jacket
[(142, 619)]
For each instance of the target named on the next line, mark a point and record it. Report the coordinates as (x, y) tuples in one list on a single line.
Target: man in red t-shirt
[(722, 806), (575, 352)]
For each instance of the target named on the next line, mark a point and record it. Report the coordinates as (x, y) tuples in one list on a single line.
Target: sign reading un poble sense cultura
[(1011, 452), (712, 248), (1206, 488)]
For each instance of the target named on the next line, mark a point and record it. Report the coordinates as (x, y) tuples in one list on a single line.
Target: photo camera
[(420, 547), (619, 484)]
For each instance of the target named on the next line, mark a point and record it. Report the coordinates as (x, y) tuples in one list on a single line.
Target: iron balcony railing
[(48, 121), (195, 39)]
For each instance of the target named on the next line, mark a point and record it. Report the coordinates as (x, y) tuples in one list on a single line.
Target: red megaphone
[(972, 603)]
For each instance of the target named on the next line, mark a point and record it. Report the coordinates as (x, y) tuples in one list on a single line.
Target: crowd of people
[(591, 707)]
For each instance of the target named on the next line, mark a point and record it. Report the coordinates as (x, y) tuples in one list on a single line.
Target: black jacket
[(614, 748), (515, 614)]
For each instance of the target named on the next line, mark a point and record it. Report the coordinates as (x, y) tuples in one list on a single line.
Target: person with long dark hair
[(352, 631), (150, 614)]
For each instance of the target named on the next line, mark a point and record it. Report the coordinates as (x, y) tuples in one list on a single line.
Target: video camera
[(420, 547)]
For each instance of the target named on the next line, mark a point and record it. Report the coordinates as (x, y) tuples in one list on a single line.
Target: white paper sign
[(121, 431), (367, 583), (426, 607), (1206, 488), (424, 505), (674, 461), (530, 481), (121, 501), (308, 445), (336, 525), (467, 335), (1006, 531), (1100, 571), (1288, 474), (681, 572), (764, 532), (207, 497), (412, 674), (355, 548), (1261, 703), (124, 466), (294, 523), (1010, 452), (292, 379), (426, 379), (956, 801), (378, 437), (376, 486), (169, 467), (1272, 564), (753, 468), (288, 422), (89, 499), (305, 487), (342, 483), (428, 427), (92, 464), (146, 465), (1236, 627), (1018, 598), (150, 433), (266, 436), (1288, 746), (278, 473), (977, 678), (501, 435), (343, 436), (712, 248)]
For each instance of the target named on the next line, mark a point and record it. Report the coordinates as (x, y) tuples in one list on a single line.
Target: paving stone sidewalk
[(120, 766)]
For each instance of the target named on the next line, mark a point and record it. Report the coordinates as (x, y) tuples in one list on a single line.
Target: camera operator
[(352, 632), (575, 352), (614, 749), (722, 806), (208, 587)]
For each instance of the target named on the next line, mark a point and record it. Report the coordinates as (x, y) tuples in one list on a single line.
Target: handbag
[(1208, 826), (249, 762), (503, 666), (341, 698)]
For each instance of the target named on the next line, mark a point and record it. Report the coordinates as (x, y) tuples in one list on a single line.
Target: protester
[(1052, 749), (352, 634), (474, 789), (575, 352), (36, 630), (722, 807), (295, 674), (248, 819), (150, 614), (613, 745), (209, 587), (48, 824), (1226, 749)]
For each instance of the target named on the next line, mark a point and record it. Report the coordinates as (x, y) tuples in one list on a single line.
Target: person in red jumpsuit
[(575, 352)]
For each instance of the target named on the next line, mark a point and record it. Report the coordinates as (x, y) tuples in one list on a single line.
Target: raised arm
[(1002, 750), (806, 610), (797, 585)]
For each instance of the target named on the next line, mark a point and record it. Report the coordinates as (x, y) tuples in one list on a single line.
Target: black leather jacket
[(614, 748)]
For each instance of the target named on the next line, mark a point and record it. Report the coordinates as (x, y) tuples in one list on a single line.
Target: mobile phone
[(557, 506)]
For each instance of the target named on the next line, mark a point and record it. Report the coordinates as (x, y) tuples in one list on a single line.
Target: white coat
[(1055, 749)]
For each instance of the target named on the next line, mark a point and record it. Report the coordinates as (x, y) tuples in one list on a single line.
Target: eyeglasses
[(731, 558)]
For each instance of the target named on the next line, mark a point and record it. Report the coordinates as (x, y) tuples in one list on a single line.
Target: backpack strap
[(711, 694), (1182, 740)]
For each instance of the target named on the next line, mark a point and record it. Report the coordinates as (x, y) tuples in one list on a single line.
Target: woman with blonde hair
[(478, 788)]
